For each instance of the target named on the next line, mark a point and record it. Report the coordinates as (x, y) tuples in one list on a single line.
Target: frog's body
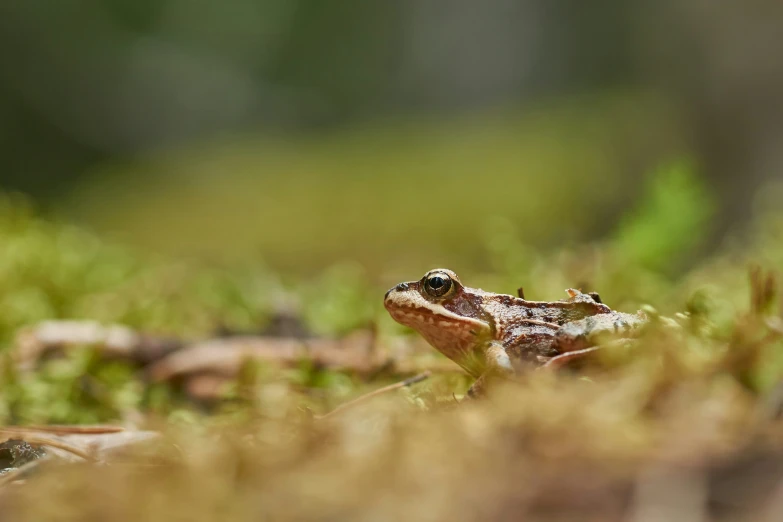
[(486, 332)]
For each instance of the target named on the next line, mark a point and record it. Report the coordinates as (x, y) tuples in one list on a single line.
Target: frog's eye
[(437, 284)]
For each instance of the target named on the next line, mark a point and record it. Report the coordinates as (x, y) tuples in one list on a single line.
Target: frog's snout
[(402, 287)]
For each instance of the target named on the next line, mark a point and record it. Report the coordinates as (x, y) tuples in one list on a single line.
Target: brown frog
[(495, 334)]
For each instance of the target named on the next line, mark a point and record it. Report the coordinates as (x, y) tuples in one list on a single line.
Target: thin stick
[(402, 384), (45, 441), (558, 361), (75, 429)]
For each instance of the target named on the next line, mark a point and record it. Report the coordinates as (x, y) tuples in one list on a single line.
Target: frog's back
[(510, 310), (528, 329)]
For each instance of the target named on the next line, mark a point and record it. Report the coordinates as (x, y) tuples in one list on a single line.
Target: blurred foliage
[(59, 272), (671, 222), (80, 388), (395, 196), (56, 271), (638, 263)]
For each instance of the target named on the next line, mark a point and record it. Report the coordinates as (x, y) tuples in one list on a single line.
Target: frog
[(494, 335)]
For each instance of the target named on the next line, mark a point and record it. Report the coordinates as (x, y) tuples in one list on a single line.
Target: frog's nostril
[(399, 288)]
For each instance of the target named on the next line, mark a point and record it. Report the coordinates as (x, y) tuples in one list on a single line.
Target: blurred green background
[(394, 134)]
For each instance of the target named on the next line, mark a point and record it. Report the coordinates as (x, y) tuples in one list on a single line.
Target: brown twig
[(227, 356), (45, 441), (220, 358), (110, 340), (402, 384), (65, 429)]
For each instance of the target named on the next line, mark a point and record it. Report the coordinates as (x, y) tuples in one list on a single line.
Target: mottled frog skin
[(488, 333)]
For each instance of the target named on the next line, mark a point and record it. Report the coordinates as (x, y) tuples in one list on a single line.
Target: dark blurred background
[(393, 133)]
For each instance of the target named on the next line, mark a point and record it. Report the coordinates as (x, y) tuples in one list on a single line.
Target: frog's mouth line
[(426, 315), (433, 316)]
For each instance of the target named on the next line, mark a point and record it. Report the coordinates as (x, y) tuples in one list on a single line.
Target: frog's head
[(449, 315)]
